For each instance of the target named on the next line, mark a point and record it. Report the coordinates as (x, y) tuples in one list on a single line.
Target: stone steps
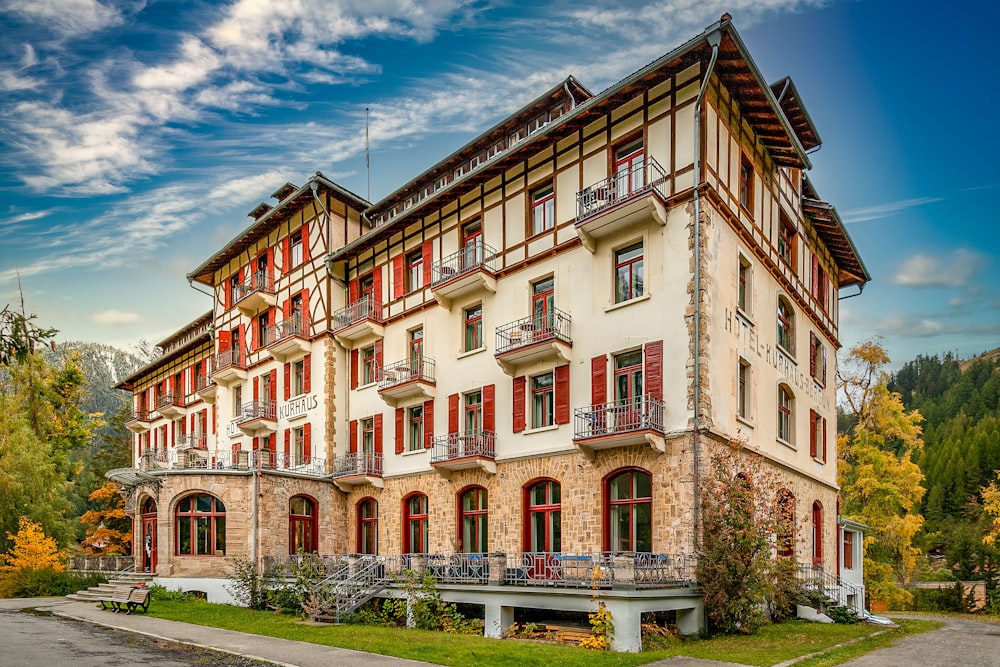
[(102, 591)]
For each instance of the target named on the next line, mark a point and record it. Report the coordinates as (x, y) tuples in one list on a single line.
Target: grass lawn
[(773, 644)]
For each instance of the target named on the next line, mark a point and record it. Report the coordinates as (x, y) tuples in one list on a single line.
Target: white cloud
[(956, 269), (66, 17), (114, 317), (887, 210)]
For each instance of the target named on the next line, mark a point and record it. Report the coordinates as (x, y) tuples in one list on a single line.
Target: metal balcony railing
[(231, 358), (462, 445), (256, 282), (358, 464), (257, 410), (636, 414), (139, 416), (466, 260), (192, 441), (409, 370), (641, 179), (553, 324), (293, 326), (365, 308), (203, 381), (175, 398)]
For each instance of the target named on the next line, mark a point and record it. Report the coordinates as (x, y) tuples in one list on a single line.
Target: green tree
[(880, 483)]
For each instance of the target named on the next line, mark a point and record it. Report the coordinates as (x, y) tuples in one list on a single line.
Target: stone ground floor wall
[(583, 502)]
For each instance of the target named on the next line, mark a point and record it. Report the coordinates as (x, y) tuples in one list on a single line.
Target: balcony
[(620, 202), (353, 470), (638, 421), (138, 421), (171, 405), (191, 441), (471, 270), (464, 451), (230, 367), (254, 294), (358, 320), (288, 338), (205, 388), (544, 337), (258, 418), (406, 380)]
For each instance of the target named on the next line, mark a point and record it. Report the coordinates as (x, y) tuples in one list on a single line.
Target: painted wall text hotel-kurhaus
[(518, 362)]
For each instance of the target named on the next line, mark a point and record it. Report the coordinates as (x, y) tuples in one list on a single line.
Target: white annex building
[(512, 370)]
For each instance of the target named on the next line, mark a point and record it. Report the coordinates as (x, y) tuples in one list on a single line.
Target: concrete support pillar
[(628, 626), (498, 620), (624, 563), (418, 563), (691, 621), (497, 568)]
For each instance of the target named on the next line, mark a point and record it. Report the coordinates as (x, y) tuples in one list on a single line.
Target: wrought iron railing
[(472, 258), (829, 585), (139, 416), (462, 445), (203, 381), (259, 281), (169, 399), (550, 325), (408, 370), (357, 464), (645, 177), (290, 462), (293, 326), (365, 308), (191, 441), (232, 357), (257, 410), (636, 414)]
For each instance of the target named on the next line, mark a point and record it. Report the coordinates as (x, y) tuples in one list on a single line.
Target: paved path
[(282, 652), (959, 643)]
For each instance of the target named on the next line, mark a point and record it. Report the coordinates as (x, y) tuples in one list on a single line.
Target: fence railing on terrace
[(258, 281), (614, 417), (367, 307), (258, 410), (407, 370), (553, 324), (646, 176), (293, 326), (474, 257), (358, 464), (462, 445)]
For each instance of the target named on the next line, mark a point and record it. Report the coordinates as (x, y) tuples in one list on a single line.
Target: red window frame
[(474, 327), (415, 522), (543, 302), (216, 512), (746, 182), (628, 267), (543, 212), (785, 403), (817, 533), (302, 533), (543, 400), (473, 521), (743, 292), (473, 412), (786, 241), (786, 330), (548, 512), (367, 444), (367, 538), (630, 507), (295, 248), (414, 271), (415, 427), (368, 364), (629, 167), (848, 549), (743, 388)]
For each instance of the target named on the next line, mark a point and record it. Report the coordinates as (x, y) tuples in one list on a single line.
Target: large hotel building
[(514, 368)]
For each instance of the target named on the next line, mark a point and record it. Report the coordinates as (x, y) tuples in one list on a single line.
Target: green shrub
[(45, 582), (163, 594), (842, 614)]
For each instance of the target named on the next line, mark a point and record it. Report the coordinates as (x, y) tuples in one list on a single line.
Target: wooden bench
[(128, 599)]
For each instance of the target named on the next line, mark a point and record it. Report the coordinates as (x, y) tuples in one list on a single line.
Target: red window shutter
[(271, 315), (307, 372), (286, 309), (428, 424), (352, 445), (398, 286), (378, 433), (354, 368), (224, 341), (305, 243), (270, 266), (215, 418), (288, 445), (256, 388), (562, 394), (378, 354), (192, 423), (241, 353), (812, 354), (377, 284), (399, 430), (599, 379), (274, 383), (654, 368), (306, 313), (815, 276), (428, 258), (822, 372), (518, 411), (489, 407), (307, 441), (823, 425), (453, 413), (255, 445), (812, 433), (286, 255), (288, 380), (272, 443), (352, 291)]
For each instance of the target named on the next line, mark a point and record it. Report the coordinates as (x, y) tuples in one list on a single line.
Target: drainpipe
[(256, 508), (713, 39), (572, 100)]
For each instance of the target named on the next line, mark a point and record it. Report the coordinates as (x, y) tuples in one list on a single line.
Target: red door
[(147, 546), (544, 527)]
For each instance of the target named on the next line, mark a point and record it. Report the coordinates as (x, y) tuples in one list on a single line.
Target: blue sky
[(135, 136)]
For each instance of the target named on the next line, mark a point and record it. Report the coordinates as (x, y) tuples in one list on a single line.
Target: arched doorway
[(147, 543)]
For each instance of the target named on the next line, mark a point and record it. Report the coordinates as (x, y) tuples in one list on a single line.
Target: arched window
[(543, 520), (817, 533), (301, 525), (786, 524), (415, 524), (786, 404), (786, 325), (201, 526), (473, 520), (368, 526), (628, 511)]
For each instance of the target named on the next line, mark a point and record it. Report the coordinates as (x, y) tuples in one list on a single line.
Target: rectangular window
[(414, 271), (629, 167), (786, 241), (298, 446), (262, 322), (817, 436), (820, 284), (543, 214), (473, 412), (298, 377), (474, 327), (746, 182), (267, 392), (784, 415), (416, 349), (415, 418), (295, 249), (848, 550), (368, 365), (543, 303), (629, 273), (235, 289), (368, 436), (745, 285), (743, 390), (238, 400), (542, 401)]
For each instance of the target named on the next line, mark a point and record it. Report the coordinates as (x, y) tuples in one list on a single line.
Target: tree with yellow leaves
[(32, 550), (880, 483), (108, 528)]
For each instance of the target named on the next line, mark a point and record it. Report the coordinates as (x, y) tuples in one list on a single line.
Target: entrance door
[(628, 390), (147, 546)]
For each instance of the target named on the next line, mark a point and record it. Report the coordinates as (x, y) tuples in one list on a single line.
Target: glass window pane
[(203, 503), (184, 535), (621, 487), (556, 493), (643, 485), (643, 527), (556, 528), (220, 534)]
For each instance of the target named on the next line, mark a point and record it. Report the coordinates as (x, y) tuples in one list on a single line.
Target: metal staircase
[(349, 587), (830, 586)]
